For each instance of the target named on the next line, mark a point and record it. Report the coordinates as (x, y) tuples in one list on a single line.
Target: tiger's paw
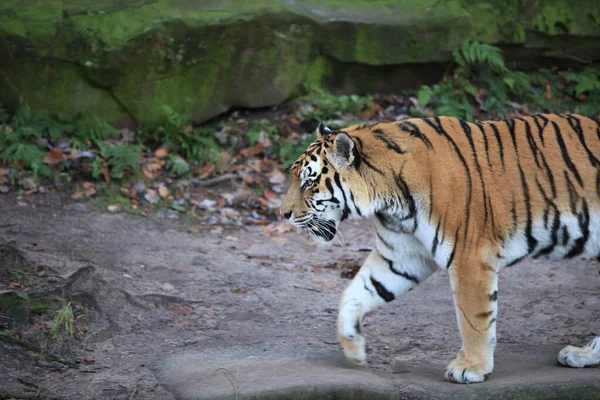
[(354, 348), (579, 357), (460, 371)]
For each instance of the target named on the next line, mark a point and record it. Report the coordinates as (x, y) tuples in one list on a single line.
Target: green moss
[(115, 58)]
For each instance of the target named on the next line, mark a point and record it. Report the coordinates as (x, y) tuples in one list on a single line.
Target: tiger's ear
[(322, 131), (342, 154)]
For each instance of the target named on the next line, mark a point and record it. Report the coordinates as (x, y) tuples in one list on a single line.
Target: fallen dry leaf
[(163, 191), (254, 150), (55, 157), (106, 174), (183, 322), (162, 152), (148, 174), (548, 91), (185, 310), (89, 362)]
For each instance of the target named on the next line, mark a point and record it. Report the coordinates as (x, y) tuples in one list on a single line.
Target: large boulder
[(123, 59)]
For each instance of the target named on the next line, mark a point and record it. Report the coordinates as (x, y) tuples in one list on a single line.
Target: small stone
[(151, 196), (167, 287), (29, 184), (277, 179), (114, 208), (206, 203), (79, 207), (139, 187), (172, 214), (127, 276), (199, 261), (4, 189)]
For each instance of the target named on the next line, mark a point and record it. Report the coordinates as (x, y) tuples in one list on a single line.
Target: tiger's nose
[(286, 214)]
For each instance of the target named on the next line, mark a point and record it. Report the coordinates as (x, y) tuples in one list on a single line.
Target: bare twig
[(307, 288), (232, 378), (217, 180)]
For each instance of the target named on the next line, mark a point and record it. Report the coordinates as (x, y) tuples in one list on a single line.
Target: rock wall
[(123, 59)]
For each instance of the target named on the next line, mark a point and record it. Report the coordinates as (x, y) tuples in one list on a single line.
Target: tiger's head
[(319, 196)]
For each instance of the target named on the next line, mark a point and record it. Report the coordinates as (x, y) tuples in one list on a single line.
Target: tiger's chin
[(323, 231)]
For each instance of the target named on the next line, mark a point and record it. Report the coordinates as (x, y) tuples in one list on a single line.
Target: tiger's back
[(516, 188)]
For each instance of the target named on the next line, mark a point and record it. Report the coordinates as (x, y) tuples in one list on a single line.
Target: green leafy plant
[(91, 130), (4, 117), (62, 323), (289, 151), (326, 106), (177, 165), (584, 82), (263, 128), (123, 160), (472, 55)]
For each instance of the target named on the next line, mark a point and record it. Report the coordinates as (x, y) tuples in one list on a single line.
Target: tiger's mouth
[(322, 228)]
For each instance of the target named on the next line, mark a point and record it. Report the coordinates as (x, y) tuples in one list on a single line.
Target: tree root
[(36, 348)]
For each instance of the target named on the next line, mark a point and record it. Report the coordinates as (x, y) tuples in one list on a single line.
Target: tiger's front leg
[(475, 291), (395, 267)]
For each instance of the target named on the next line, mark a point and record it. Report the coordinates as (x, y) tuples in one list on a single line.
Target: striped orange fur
[(469, 198)]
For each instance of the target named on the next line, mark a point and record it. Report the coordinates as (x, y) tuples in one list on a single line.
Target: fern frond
[(472, 53), (123, 160)]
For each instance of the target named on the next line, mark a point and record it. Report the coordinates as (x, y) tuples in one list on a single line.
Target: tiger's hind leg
[(380, 280), (475, 291), (578, 357)]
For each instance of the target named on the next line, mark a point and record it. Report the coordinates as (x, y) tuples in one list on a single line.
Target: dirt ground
[(152, 289)]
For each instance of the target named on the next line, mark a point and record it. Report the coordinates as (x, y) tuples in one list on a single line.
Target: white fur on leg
[(375, 284), (579, 357)]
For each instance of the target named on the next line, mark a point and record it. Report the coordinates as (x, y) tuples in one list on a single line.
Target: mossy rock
[(125, 59)]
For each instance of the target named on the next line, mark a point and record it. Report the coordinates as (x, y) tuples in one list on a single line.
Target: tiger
[(447, 194)]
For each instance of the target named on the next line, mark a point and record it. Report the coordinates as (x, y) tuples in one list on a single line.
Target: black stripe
[(531, 141), (364, 157), (346, 212), (408, 198), (531, 241), (550, 176), (485, 143), (414, 131), (378, 134), (565, 154), (539, 126), (354, 204), (382, 291), (565, 235), (573, 196), (494, 296), (576, 126), (435, 239), (467, 130), (365, 285), (430, 196), (451, 258), (385, 242), (403, 274), (437, 126), (499, 140), (584, 225), (555, 223), (513, 211)]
